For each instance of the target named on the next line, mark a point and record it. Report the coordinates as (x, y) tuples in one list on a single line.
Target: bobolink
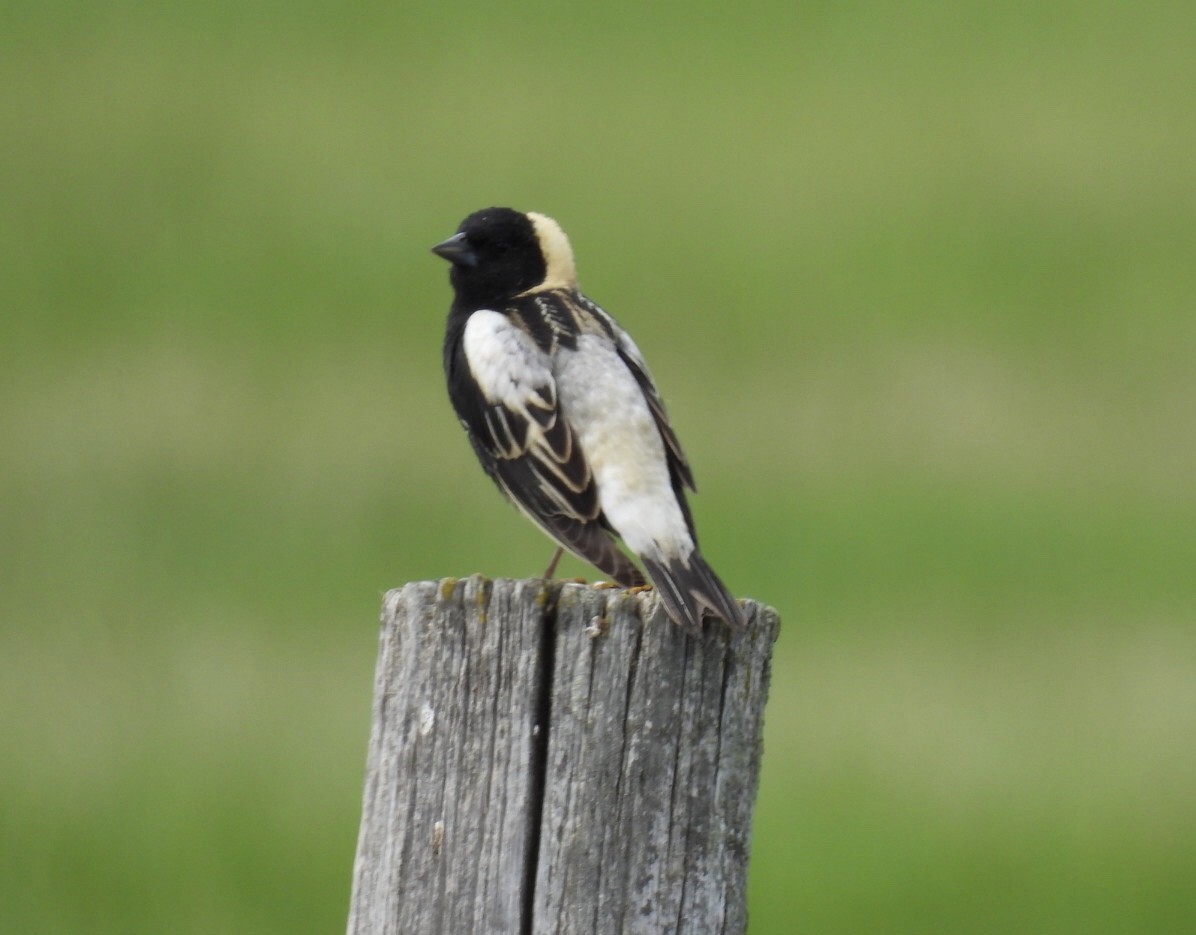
[(563, 414)]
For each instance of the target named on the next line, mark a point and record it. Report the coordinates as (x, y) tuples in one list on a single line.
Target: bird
[(563, 413)]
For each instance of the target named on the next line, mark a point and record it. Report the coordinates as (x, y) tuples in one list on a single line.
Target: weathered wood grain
[(557, 759)]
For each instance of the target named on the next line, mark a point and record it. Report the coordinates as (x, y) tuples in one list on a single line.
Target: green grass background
[(917, 281)]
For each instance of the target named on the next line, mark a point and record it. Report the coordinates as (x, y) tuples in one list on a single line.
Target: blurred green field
[(917, 283)]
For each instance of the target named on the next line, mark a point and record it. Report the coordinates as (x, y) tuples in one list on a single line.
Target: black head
[(498, 253)]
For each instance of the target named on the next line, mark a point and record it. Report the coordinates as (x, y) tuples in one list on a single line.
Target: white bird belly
[(611, 420)]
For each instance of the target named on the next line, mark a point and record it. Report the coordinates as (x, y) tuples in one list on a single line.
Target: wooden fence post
[(551, 758)]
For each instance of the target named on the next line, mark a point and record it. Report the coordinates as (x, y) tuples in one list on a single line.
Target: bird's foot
[(551, 569)]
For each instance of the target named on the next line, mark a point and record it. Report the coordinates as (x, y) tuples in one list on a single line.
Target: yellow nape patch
[(558, 254)]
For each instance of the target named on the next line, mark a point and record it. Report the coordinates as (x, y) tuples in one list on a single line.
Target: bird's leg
[(556, 557)]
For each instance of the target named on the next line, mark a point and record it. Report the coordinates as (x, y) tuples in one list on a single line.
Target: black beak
[(457, 251)]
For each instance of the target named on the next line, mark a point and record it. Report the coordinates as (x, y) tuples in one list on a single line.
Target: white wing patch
[(505, 362)]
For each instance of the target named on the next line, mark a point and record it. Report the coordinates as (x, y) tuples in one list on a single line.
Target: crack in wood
[(541, 735)]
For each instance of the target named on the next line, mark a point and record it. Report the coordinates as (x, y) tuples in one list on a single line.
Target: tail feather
[(690, 587)]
